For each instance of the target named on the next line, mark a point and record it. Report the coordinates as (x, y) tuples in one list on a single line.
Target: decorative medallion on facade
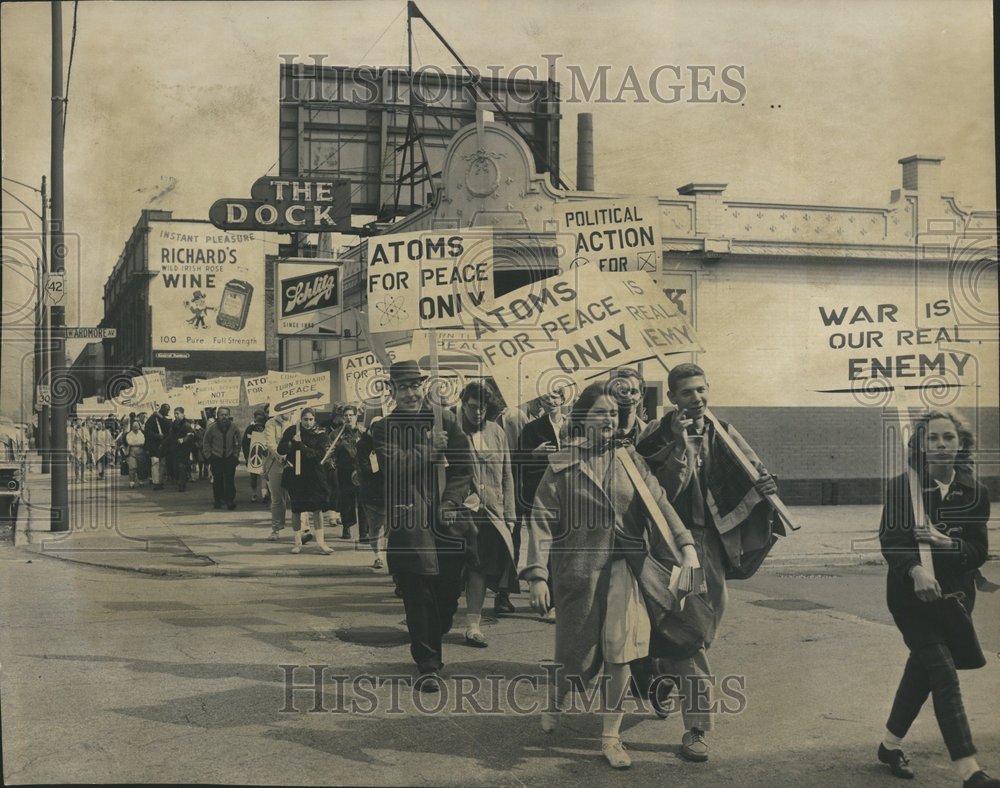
[(483, 175)]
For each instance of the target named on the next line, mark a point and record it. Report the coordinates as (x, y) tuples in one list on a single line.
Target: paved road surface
[(120, 676)]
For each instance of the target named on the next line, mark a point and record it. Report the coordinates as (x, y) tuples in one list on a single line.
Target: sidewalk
[(165, 532)]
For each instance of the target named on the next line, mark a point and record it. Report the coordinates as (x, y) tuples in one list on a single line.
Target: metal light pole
[(44, 357), (60, 489)]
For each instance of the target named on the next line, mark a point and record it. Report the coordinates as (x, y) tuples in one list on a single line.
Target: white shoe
[(614, 751), (297, 549), (131, 485), (378, 564)]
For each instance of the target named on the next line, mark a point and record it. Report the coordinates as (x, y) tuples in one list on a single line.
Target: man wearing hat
[(423, 550)]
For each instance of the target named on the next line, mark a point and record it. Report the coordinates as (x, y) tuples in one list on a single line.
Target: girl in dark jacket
[(304, 445), (958, 507)]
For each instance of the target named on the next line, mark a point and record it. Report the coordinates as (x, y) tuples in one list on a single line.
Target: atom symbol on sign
[(391, 310)]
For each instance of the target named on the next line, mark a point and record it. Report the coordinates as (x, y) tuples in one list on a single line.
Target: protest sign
[(219, 392), (616, 236), (569, 329), (145, 394), (364, 378), (92, 407), (257, 387), (185, 397), (428, 279), (258, 450), (300, 391)]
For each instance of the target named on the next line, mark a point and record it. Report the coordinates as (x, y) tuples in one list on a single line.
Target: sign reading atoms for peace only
[(429, 279), (620, 236)]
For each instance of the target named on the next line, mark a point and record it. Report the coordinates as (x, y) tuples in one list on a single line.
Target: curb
[(214, 571)]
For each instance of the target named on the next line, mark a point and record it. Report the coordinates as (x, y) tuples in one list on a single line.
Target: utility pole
[(43, 359), (59, 408)]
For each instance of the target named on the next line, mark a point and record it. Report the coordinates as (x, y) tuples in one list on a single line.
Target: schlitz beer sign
[(307, 297), (288, 205)]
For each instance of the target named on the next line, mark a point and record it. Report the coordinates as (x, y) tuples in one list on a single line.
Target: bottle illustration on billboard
[(235, 304)]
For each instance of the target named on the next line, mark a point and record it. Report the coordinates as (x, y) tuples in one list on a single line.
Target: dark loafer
[(503, 605), (898, 763), (428, 682), (981, 780)]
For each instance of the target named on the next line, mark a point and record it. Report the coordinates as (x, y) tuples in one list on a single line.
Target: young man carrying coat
[(423, 550), (726, 513)]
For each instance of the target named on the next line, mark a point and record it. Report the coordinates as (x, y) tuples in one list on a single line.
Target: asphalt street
[(116, 676)]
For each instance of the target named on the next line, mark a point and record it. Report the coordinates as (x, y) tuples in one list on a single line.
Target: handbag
[(681, 619), (959, 632)]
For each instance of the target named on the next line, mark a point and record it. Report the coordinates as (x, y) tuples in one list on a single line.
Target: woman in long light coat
[(494, 512), (589, 523)]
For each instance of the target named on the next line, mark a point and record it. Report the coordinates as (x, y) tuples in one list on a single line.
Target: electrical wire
[(25, 185), (15, 197)]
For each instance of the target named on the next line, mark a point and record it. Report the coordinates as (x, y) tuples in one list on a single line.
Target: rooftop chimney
[(585, 152), (922, 173)]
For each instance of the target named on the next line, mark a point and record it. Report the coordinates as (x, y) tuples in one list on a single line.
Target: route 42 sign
[(55, 288)]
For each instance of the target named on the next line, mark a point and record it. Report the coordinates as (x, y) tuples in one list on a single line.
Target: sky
[(175, 104)]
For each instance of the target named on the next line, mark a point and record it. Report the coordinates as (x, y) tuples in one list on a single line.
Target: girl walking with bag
[(935, 508), (597, 517)]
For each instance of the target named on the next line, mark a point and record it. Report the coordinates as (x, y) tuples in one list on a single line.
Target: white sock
[(891, 741), (472, 621), (966, 767)]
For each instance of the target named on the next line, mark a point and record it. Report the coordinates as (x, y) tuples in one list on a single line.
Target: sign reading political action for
[(568, 329), (219, 392), (207, 297), (308, 297), (297, 392), (432, 279), (618, 236)]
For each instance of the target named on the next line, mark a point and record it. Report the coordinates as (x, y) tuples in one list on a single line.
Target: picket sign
[(773, 500), (912, 478), (438, 416), (776, 503)]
